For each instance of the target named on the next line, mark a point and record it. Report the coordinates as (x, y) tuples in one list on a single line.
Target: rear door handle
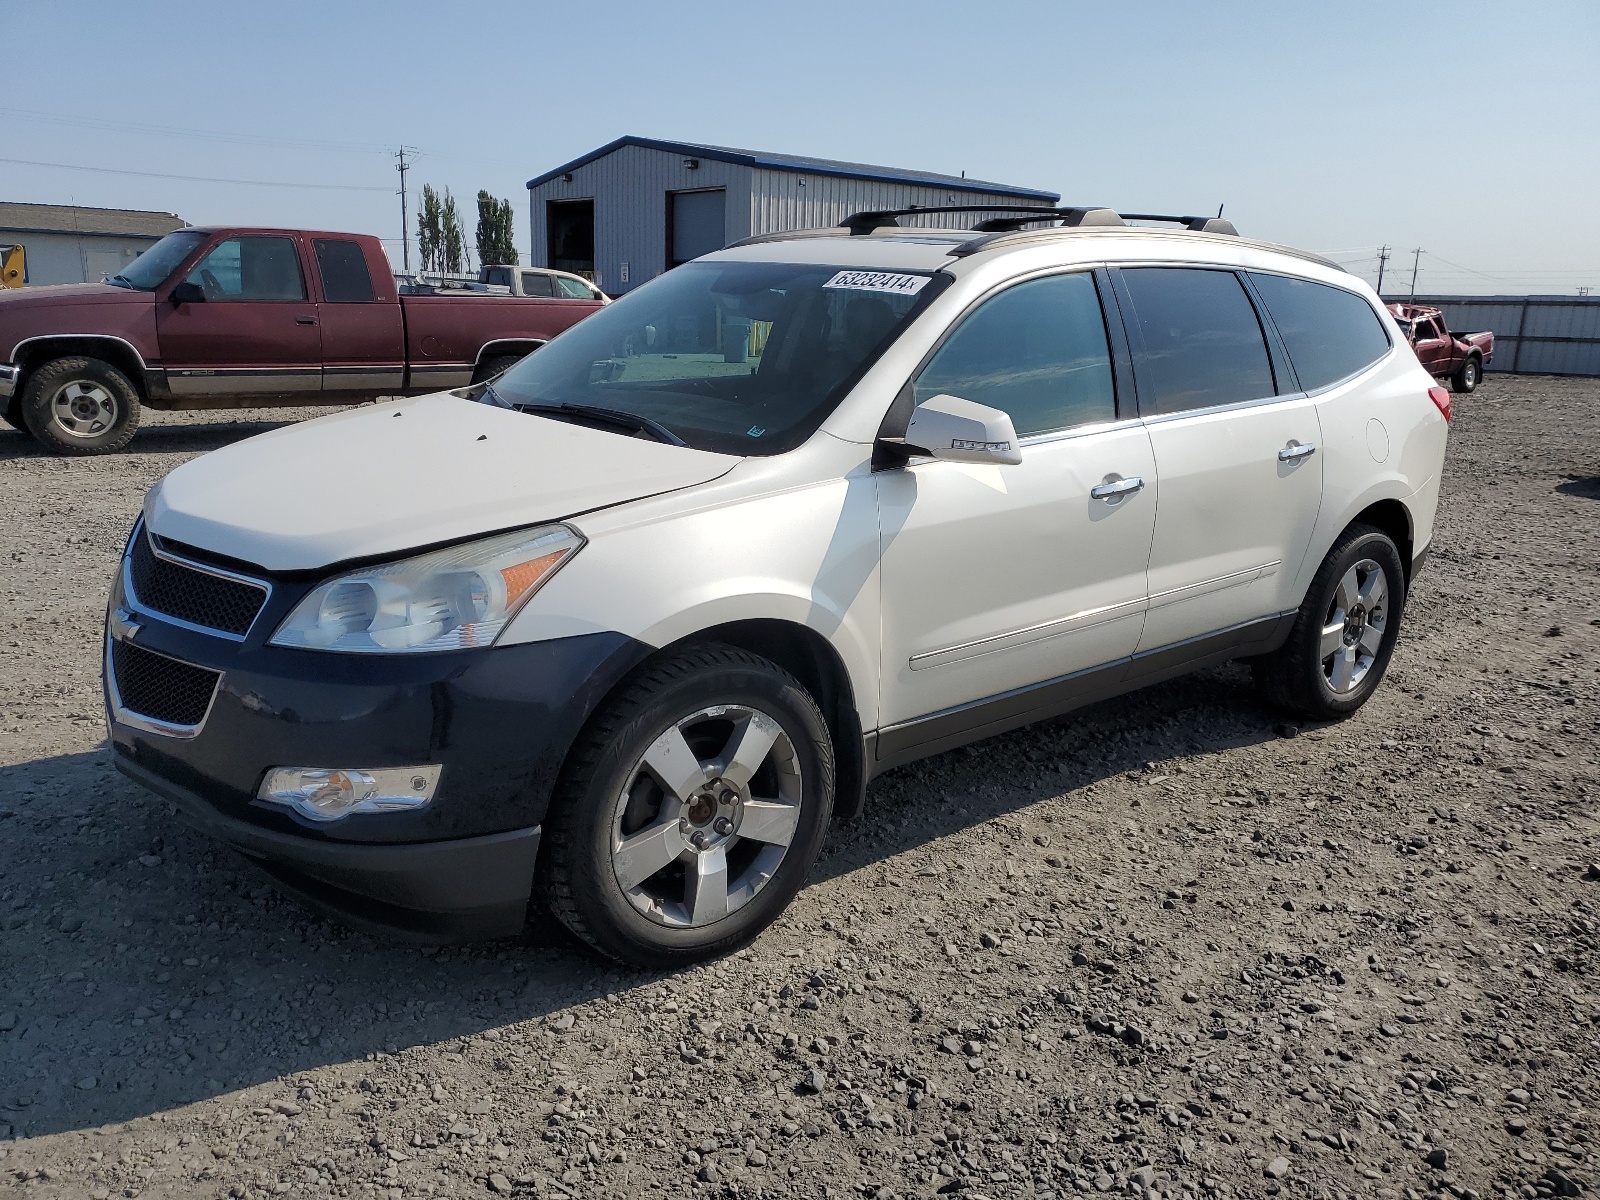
[(1296, 450), (1117, 487), (305, 320)]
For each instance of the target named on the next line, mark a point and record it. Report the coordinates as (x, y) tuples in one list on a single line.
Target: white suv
[(629, 624)]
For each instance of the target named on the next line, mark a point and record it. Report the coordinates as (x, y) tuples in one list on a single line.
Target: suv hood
[(386, 479), (52, 295)]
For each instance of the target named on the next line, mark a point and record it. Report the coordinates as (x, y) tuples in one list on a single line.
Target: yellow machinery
[(13, 266)]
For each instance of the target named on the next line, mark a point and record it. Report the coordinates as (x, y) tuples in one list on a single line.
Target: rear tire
[(492, 368), (690, 810), (1344, 634), (79, 406), (1467, 379)]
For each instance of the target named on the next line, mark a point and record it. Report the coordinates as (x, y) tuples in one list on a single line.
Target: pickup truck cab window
[(150, 270), (1196, 340), (573, 289), (736, 357), (1037, 351), (1330, 333), (535, 283), (251, 268), (345, 278)]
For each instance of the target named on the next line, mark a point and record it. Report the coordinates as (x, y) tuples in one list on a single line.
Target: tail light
[(1441, 401)]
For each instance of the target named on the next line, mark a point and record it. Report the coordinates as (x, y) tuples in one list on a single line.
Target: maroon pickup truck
[(1458, 357), (225, 318)]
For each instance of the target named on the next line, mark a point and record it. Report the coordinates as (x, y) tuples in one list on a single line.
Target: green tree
[(495, 244), (430, 233), (452, 241)]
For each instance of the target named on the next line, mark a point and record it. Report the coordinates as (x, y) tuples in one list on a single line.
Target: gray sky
[(1470, 129)]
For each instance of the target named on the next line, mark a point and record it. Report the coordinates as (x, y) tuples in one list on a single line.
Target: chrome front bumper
[(8, 380)]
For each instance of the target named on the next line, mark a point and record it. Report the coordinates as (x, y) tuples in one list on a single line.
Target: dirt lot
[(1170, 946)]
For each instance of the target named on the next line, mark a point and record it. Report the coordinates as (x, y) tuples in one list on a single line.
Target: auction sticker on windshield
[(878, 281)]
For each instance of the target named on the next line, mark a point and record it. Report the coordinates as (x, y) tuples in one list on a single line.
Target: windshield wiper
[(604, 416), (121, 281)]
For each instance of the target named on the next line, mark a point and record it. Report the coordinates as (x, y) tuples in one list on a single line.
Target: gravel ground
[(1170, 946)]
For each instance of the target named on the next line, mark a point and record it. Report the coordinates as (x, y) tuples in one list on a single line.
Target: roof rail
[(1195, 224), (866, 222), (1025, 214)]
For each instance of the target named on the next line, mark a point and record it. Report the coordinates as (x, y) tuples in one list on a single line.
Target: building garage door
[(696, 224)]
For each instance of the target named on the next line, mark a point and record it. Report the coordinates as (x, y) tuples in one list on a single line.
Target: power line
[(277, 183), (207, 135)]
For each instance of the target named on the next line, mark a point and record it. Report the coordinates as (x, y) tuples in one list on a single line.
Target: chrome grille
[(159, 688), (193, 593)]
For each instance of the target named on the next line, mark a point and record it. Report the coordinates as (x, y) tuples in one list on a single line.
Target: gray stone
[(1277, 1168)]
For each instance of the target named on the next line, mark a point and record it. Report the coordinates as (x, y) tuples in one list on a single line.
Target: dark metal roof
[(104, 222), (801, 165)]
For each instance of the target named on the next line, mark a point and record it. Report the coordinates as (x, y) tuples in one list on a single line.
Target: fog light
[(327, 793)]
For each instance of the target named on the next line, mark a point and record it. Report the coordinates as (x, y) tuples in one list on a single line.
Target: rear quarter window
[(1330, 333)]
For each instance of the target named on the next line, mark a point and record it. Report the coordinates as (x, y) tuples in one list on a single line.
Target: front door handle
[(305, 320), (1116, 488), (1296, 450)]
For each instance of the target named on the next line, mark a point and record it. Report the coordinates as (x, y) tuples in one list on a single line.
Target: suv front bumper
[(498, 722)]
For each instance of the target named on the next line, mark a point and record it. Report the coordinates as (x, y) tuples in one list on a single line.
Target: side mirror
[(956, 430), (187, 293)]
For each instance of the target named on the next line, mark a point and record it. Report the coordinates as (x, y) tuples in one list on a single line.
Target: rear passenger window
[(1330, 333), (534, 283), (1196, 340), (345, 279), (1037, 351)]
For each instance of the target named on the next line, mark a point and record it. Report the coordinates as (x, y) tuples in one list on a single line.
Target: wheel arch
[(519, 346), (1394, 518), (810, 658), (34, 352)]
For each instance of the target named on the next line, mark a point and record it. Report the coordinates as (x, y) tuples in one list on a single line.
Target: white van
[(626, 626)]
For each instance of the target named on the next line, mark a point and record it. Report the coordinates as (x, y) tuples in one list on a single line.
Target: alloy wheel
[(83, 409), (706, 816), (1352, 632)]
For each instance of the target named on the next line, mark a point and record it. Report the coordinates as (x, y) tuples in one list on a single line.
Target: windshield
[(740, 358), (150, 270)]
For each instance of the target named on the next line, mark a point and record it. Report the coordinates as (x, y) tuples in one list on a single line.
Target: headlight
[(451, 599)]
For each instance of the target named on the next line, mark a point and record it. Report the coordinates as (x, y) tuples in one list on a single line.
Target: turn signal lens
[(452, 599), (1441, 400)]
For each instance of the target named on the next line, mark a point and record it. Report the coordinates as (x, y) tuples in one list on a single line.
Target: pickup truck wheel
[(80, 406), (690, 810), (1344, 633), (1466, 380), (490, 368)]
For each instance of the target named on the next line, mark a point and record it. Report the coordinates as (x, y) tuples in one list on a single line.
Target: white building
[(624, 213), (68, 244)]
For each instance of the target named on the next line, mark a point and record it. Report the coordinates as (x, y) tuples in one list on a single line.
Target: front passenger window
[(1037, 351)]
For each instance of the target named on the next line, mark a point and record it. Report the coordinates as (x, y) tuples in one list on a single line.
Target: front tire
[(1344, 634), (691, 809), (80, 406), (1467, 379)]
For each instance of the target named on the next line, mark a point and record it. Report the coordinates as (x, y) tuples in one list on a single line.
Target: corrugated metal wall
[(630, 185), (1533, 335), (782, 200)]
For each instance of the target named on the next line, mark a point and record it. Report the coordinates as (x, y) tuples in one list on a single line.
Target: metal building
[(67, 244), (624, 213)]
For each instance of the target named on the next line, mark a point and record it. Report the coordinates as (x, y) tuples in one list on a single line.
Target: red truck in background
[(240, 317), (1458, 357)]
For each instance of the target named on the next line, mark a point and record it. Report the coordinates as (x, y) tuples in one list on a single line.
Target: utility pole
[(1583, 290), (1383, 261), (405, 219), (1416, 261)]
